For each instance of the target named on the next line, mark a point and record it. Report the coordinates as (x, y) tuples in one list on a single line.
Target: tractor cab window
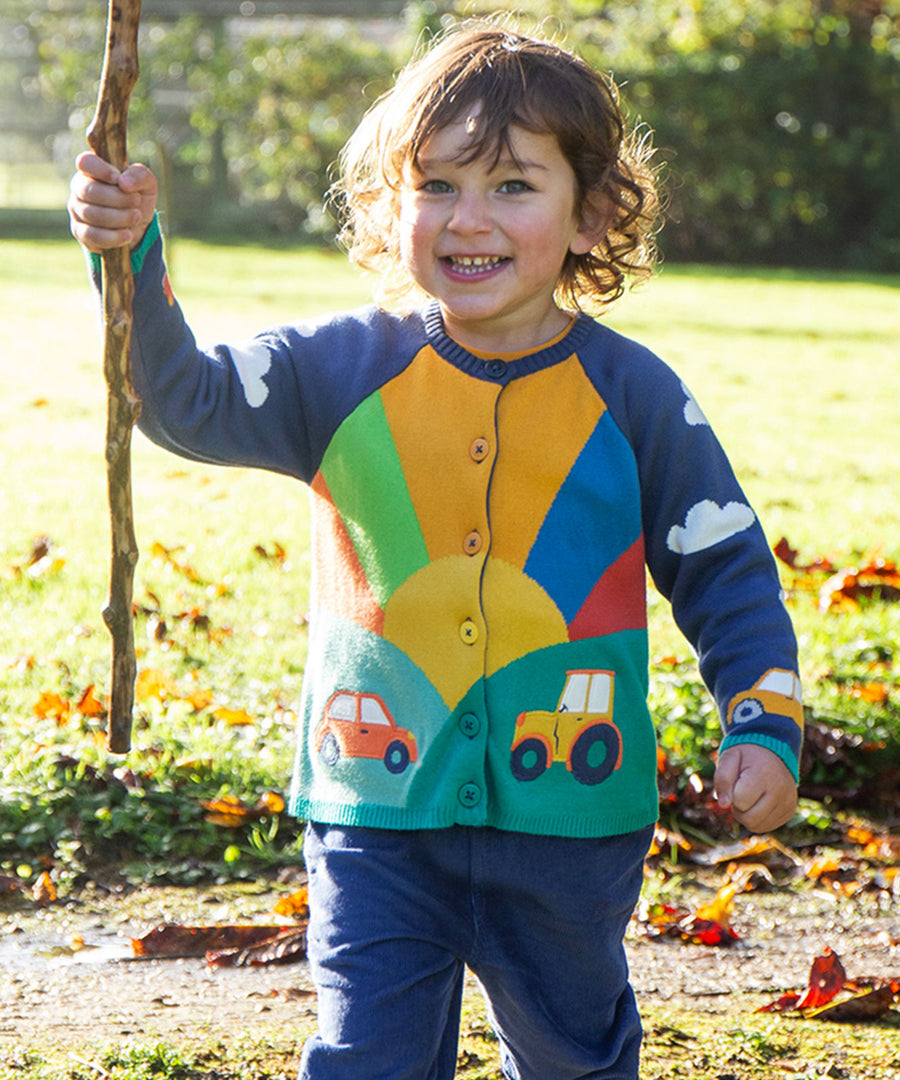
[(575, 693), (587, 692), (599, 693)]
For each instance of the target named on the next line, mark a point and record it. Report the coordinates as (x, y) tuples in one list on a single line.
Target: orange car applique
[(359, 725), (579, 732)]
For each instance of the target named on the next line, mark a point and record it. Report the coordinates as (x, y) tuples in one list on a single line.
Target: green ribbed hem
[(370, 816), (95, 261), (392, 817), (777, 747), (587, 828)]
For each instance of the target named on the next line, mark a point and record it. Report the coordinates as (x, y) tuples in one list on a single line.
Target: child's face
[(488, 239)]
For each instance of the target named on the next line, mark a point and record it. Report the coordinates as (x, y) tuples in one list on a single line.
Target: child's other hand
[(756, 785), (107, 208)]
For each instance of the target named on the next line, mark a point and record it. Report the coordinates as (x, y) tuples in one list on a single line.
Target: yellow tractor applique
[(579, 732)]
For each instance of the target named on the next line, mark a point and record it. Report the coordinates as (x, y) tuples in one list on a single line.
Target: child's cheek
[(410, 245)]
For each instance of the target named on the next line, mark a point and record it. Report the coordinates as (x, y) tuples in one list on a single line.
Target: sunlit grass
[(33, 185), (799, 376)]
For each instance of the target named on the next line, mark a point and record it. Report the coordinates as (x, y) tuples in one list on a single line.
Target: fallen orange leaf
[(826, 979), (224, 946), (876, 693), (295, 906), (270, 802), (52, 705), (286, 946), (825, 864), (153, 683), (788, 556), (720, 908), (762, 848), (43, 891), (865, 1003), (199, 699), (664, 920), (234, 717), (178, 941), (89, 704), (173, 557), (883, 849), (845, 588), (830, 995), (230, 812)]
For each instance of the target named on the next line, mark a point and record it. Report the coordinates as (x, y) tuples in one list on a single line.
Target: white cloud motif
[(707, 524), (693, 414), (252, 360)]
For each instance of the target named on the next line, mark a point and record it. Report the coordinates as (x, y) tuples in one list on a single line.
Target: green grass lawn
[(798, 374)]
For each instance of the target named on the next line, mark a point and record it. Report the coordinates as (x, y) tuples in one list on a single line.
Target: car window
[(343, 707), (780, 682), (371, 712)]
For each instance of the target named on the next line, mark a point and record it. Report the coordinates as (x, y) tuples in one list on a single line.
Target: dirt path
[(50, 994)]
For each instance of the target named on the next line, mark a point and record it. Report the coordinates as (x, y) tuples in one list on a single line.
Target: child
[(491, 470)]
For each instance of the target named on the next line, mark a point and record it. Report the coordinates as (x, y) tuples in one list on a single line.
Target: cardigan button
[(473, 543), (479, 449), (469, 725), (469, 795), (468, 632), (495, 369)]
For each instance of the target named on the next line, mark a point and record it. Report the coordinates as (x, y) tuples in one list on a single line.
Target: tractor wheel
[(528, 760), (583, 769)]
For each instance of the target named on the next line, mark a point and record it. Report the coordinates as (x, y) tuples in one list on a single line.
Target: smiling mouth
[(474, 265)]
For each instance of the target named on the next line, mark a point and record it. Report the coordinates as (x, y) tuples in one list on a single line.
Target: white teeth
[(474, 263)]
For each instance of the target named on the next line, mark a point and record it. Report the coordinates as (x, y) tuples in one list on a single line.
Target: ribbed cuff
[(777, 747), (139, 254)]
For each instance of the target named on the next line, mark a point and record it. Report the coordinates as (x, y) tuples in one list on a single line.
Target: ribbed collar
[(503, 368)]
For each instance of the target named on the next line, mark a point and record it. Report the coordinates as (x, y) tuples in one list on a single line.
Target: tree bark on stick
[(107, 138)]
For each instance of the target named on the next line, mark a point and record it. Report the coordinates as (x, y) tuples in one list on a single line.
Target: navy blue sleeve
[(707, 552), (273, 401)]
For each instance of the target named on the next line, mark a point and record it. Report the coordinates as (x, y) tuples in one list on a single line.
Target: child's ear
[(596, 217)]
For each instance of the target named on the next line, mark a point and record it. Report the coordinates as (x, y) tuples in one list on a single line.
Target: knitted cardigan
[(481, 530)]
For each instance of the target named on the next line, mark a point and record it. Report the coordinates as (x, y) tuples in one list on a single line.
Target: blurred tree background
[(777, 121)]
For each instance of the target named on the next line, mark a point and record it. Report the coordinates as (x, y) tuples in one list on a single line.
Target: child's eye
[(514, 187), (435, 187)]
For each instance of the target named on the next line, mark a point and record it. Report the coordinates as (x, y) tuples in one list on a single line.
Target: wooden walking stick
[(107, 138)]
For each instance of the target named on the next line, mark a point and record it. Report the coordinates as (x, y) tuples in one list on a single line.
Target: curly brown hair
[(521, 82)]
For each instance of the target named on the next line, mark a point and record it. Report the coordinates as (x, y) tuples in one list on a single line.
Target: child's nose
[(470, 214)]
